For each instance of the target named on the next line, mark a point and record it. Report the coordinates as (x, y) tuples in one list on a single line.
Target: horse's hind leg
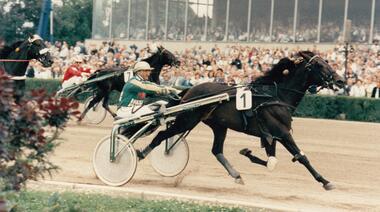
[(299, 156), (217, 149), (106, 104), (182, 124), (98, 97)]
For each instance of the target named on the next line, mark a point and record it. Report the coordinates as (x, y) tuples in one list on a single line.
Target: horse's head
[(161, 56), (37, 50), (319, 72)]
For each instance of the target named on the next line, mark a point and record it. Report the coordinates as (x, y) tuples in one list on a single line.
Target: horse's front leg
[(288, 142)]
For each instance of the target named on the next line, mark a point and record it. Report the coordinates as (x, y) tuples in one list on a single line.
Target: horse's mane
[(105, 71), (309, 53), (8, 49), (275, 74)]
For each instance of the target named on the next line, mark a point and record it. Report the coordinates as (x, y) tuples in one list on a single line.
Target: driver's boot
[(143, 153)]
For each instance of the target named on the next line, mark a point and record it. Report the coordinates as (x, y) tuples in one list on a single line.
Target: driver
[(137, 89), (76, 73)]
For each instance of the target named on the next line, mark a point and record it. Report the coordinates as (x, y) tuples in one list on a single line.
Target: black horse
[(160, 57), (14, 60), (275, 96)]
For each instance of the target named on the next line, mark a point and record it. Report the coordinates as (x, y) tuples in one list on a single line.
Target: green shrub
[(340, 107)]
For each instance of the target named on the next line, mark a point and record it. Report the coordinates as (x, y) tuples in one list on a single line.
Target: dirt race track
[(346, 153)]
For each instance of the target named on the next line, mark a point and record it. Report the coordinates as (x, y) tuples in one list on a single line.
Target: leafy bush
[(24, 145)]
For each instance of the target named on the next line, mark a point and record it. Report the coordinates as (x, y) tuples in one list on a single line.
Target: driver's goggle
[(44, 51)]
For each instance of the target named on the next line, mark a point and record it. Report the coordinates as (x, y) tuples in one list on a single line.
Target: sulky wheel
[(173, 163), (121, 170), (96, 114)]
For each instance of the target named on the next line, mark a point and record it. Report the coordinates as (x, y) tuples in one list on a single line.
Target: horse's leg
[(106, 104), (270, 150), (181, 125), (98, 97), (248, 153), (272, 161), (217, 149), (291, 146)]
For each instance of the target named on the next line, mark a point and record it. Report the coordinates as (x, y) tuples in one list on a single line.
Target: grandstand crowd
[(234, 64)]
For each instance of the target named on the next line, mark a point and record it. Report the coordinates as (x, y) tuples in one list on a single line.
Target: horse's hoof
[(140, 155), (271, 163), (245, 151), (239, 180), (329, 186)]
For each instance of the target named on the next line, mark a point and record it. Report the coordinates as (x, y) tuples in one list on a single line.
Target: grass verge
[(68, 201)]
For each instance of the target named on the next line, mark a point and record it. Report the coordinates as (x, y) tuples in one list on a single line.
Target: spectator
[(376, 90), (358, 89)]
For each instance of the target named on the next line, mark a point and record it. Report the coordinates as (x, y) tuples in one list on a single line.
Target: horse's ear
[(297, 60), (305, 55)]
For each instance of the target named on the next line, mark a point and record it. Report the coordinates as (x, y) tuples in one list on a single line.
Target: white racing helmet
[(142, 65)]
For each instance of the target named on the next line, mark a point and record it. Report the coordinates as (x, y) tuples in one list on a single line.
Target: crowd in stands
[(282, 33), (235, 64)]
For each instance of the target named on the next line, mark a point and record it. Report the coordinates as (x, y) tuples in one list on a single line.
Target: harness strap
[(266, 135), (272, 103), (10, 60), (18, 77)]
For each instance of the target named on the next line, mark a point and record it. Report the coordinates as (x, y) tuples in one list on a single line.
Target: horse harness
[(273, 100)]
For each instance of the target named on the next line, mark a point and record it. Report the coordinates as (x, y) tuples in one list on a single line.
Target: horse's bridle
[(42, 54), (327, 80)]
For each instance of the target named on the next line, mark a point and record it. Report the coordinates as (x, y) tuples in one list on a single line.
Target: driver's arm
[(149, 87)]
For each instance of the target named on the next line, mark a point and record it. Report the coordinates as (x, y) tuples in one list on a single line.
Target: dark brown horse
[(14, 60), (275, 96), (160, 57)]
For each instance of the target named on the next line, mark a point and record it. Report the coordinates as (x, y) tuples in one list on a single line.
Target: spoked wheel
[(172, 163), (121, 170), (96, 114)]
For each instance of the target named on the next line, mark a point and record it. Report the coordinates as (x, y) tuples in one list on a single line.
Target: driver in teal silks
[(137, 89), (134, 93)]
